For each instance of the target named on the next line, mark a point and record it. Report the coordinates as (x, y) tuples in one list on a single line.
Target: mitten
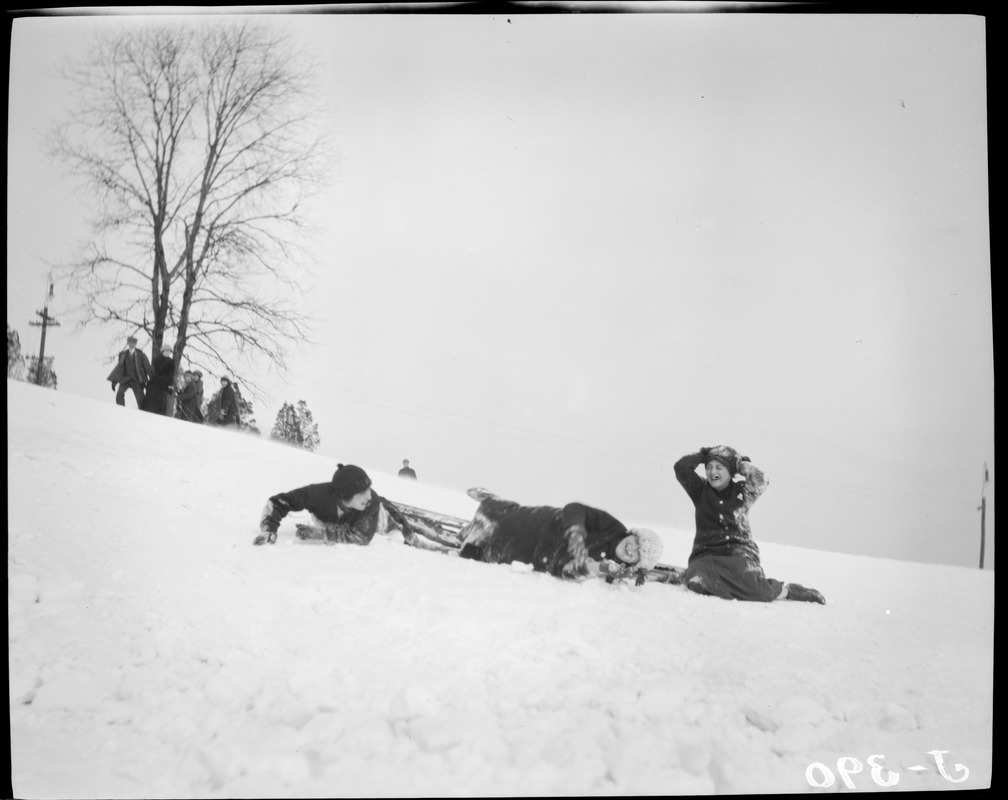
[(577, 566), (609, 567), (264, 537), (309, 533)]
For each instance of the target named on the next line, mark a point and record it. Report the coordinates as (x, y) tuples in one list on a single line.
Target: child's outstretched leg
[(732, 578), (795, 591)]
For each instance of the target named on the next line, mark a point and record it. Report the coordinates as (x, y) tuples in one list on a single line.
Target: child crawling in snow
[(570, 542), (344, 511), (725, 560)]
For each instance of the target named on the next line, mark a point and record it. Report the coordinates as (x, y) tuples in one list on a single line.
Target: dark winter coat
[(502, 531), (186, 399), (199, 399), (725, 559), (159, 387), (131, 370), (228, 405), (342, 525), (407, 472)]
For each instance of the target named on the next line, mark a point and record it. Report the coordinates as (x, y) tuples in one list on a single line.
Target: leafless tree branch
[(200, 153)]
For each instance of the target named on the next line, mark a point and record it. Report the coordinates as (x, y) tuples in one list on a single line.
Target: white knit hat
[(649, 546)]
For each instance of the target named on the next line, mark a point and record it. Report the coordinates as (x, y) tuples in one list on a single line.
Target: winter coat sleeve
[(280, 505), (602, 531), (598, 524), (588, 533), (574, 514), (755, 482), (685, 472), (118, 371)]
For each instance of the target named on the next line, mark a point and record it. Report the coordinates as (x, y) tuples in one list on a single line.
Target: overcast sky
[(562, 250)]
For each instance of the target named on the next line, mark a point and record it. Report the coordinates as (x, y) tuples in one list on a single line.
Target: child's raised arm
[(755, 480), (685, 472)]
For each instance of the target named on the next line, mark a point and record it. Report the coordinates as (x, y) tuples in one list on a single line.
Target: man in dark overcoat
[(132, 371), (228, 404)]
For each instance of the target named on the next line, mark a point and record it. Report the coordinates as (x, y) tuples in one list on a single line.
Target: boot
[(795, 591)]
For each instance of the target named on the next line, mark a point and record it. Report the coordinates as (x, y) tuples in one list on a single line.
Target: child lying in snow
[(568, 542), (725, 560), (345, 511)]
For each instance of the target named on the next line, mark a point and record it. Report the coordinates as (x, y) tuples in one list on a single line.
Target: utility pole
[(983, 513), (46, 322)]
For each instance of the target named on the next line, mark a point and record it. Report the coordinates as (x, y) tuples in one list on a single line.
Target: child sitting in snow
[(725, 560), (569, 542), (345, 511)]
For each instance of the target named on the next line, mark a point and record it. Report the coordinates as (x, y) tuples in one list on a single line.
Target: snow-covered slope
[(154, 652)]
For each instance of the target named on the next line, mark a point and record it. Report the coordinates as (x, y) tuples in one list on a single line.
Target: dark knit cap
[(349, 480), (722, 453)]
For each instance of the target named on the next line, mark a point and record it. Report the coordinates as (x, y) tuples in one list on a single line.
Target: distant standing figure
[(186, 398), (725, 560), (407, 471), (198, 378), (132, 371), (228, 404), (160, 385)]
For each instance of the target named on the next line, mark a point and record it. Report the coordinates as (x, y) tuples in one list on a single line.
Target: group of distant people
[(152, 383), (575, 541)]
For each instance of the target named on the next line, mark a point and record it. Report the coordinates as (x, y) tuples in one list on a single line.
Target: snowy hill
[(154, 652)]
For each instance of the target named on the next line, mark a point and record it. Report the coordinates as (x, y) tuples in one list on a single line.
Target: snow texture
[(154, 652)]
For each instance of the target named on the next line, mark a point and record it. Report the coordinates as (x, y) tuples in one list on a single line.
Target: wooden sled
[(440, 528)]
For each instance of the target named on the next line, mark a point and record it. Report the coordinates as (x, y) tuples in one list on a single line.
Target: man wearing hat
[(344, 511), (132, 371)]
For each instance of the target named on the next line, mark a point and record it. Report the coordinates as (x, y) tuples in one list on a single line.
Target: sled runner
[(665, 573), (445, 529), (440, 528)]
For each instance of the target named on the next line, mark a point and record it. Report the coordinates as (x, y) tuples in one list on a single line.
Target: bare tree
[(199, 149)]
